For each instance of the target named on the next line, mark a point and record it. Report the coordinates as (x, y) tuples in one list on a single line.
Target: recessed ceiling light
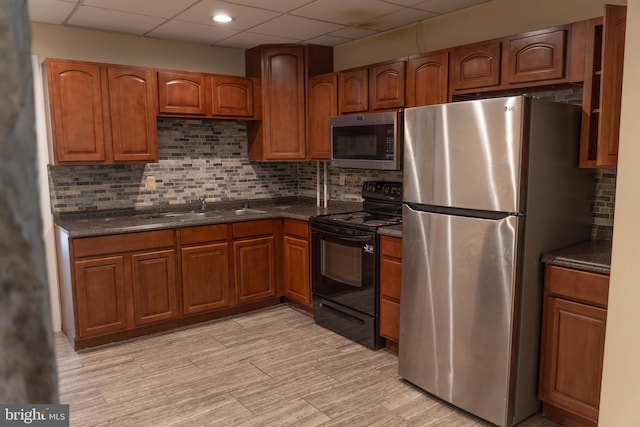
[(221, 17)]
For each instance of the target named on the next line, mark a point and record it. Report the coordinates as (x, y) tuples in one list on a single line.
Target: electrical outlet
[(150, 183), (342, 180)]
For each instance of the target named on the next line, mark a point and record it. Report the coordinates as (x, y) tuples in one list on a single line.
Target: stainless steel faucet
[(203, 204)]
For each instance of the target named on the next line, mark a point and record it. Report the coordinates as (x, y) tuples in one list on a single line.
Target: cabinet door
[(231, 96), (101, 302), (428, 80), (254, 269), (386, 86), (536, 56), (182, 93), (283, 117), (322, 101), (476, 66), (205, 277), (77, 114), (353, 91), (297, 269), (572, 354), (390, 267), (132, 100), (154, 286)]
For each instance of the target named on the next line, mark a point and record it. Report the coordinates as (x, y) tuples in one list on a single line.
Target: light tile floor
[(273, 367)]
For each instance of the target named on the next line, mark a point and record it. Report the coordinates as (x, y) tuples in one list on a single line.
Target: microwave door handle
[(348, 238)]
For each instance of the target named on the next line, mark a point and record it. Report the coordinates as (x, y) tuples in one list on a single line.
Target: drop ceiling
[(326, 22)]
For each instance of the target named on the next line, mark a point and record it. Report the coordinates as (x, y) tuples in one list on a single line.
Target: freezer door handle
[(470, 213)]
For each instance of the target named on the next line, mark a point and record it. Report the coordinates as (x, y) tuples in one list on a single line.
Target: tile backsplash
[(208, 158), (197, 158)]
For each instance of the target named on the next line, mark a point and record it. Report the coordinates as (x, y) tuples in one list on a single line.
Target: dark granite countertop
[(100, 223), (593, 256), (392, 231)]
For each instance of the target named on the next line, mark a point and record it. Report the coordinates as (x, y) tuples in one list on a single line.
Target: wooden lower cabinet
[(574, 323), (297, 262), (154, 286), (254, 259), (205, 268), (100, 295), (390, 267)]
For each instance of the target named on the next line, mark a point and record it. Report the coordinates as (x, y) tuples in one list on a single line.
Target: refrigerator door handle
[(470, 213)]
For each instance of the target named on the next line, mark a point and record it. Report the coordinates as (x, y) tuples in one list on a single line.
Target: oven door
[(344, 266)]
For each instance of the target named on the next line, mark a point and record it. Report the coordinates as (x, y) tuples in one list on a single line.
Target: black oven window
[(342, 263)]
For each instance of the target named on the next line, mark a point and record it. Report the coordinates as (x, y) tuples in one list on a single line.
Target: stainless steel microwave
[(367, 141)]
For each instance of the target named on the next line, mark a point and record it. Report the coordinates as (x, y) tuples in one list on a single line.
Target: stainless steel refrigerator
[(489, 185)]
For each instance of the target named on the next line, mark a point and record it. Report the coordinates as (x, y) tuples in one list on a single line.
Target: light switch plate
[(150, 183)]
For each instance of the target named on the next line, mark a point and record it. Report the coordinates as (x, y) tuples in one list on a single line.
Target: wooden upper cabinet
[(282, 71), (535, 56), (476, 65), (182, 92), (602, 90), (428, 79), (231, 96), (185, 93), (102, 114), (132, 102), (387, 86), (322, 104), (77, 111), (353, 91)]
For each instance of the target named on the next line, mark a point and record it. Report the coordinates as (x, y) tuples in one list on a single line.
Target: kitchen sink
[(182, 216), (246, 211)]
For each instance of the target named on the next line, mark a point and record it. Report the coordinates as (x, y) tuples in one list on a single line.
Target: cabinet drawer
[(391, 246), (389, 319), (252, 228), (296, 228), (207, 233), (590, 288), (390, 269), (130, 242)]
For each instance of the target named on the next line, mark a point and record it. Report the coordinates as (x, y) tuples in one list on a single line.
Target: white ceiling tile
[(295, 27), (160, 9), (109, 20), (327, 40), (244, 17), (275, 5), (49, 11), (191, 32), (406, 3), (446, 6), (399, 19), (246, 40), (353, 33), (351, 12)]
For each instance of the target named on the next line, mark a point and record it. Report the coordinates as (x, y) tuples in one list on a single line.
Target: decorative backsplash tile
[(208, 158), (197, 159)]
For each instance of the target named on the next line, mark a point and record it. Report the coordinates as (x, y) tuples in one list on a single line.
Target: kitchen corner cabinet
[(297, 265), (428, 79), (602, 90), (101, 114), (573, 334), (282, 71), (116, 283), (322, 104), (192, 94), (390, 267), (205, 264), (255, 254)]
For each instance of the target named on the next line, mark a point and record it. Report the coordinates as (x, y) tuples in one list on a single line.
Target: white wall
[(620, 394), (54, 41)]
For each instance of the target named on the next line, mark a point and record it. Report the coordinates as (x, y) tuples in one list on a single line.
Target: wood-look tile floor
[(273, 367)]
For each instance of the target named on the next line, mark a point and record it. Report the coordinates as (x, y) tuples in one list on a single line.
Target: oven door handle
[(348, 238)]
